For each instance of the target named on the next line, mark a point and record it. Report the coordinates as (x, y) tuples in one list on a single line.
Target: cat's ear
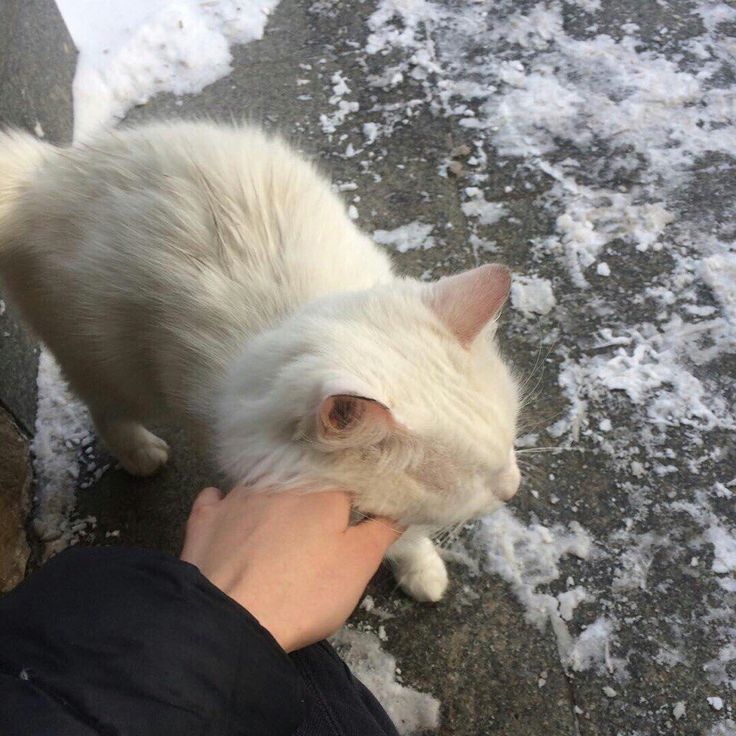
[(352, 421), (467, 302)]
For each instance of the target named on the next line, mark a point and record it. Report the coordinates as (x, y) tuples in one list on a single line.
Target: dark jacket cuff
[(133, 641)]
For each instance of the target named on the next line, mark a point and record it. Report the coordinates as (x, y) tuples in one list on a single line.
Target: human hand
[(290, 559)]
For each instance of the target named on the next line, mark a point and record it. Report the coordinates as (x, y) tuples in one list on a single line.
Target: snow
[(488, 213), (62, 427), (412, 236), (330, 123), (715, 702), (725, 728), (410, 710), (719, 272), (531, 295), (130, 51), (679, 710), (370, 132), (724, 547), (528, 557)]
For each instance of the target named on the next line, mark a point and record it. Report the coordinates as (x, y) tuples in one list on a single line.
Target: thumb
[(198, 522), (207, 497)]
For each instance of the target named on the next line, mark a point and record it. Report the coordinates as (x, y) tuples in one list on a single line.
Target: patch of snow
[(487, 213), (724, 547), (724, 728), (63, 425), (679, 710), (528, 557), (645, 365), (635, 562), (330, 123), (715, 702), (413, 236), (410, 710), (719, 272), (128, 52), (370, 132), (531, 295)]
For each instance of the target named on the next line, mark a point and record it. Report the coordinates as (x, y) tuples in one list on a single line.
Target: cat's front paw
[(148, 455), (425, 580)]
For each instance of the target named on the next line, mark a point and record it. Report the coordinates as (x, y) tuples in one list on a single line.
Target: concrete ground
[(493, 672)]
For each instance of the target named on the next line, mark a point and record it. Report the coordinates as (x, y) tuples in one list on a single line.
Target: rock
[(15, 502)]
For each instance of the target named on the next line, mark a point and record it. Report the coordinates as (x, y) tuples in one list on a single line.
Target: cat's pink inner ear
[(467, 302), (354, 418)]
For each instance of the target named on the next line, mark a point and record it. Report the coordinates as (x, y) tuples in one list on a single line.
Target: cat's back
[(227, 199)]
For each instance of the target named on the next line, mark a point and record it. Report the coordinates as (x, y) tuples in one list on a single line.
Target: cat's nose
[(508, 488), (508, 480)]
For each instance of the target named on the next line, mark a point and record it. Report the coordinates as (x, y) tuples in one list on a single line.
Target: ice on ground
[(528, 558), (594, 217), (719, 272), (331, 122), (532, 295), (62, 426), (725, 728), (724, 547), (487, 213), (636, 561), (370, 132), (649, 366), (410, 710), (130, 51), (413, 236)]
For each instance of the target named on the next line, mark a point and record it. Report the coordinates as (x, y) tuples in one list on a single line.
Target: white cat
[(209, 274)]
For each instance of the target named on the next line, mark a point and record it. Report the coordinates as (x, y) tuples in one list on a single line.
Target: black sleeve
[(130, 642)]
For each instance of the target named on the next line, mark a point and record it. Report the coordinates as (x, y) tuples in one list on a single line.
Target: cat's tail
[(20, 155)]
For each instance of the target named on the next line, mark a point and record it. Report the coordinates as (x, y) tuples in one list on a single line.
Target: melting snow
[(130, 51), (409, 709), (415, 235), (532, 295)]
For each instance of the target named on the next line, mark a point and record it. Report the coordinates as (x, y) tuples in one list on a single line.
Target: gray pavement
[(493, 672)]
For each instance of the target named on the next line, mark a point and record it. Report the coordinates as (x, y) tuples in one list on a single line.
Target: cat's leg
[(139, 451), (417, 565)]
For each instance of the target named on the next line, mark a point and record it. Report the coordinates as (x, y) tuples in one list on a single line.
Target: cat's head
[(397, 394)]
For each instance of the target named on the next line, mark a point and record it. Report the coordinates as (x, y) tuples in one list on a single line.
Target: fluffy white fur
[(209, 273)]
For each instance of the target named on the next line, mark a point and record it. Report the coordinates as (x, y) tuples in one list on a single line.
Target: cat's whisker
[(526, 427), (535, 450), (526, 396), (379, 518)]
